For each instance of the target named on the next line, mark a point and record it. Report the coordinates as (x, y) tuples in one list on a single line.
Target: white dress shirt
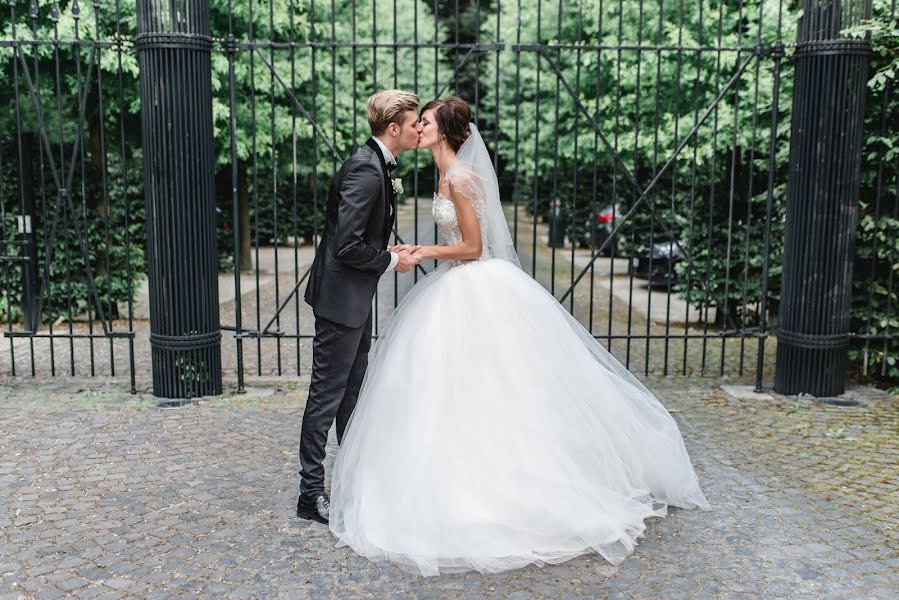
[(388, 159)]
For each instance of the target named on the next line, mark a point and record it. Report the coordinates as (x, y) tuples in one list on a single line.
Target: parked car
[(597, 230), (657, 263)]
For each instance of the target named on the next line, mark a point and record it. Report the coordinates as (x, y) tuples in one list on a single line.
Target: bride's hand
[(420, 253), (403, 248)]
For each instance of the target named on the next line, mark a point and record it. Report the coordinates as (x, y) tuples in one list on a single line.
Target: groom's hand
[(407, 261)]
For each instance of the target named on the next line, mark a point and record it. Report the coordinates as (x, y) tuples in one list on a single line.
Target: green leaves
[(876, 268), (883, 30)]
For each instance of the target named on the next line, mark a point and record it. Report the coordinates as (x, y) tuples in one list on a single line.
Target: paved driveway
[(105, 495)]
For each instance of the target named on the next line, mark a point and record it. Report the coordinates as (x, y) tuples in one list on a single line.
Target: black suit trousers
[(339, 360)]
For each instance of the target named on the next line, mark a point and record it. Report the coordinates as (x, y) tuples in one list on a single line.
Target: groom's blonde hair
[(388, 107)]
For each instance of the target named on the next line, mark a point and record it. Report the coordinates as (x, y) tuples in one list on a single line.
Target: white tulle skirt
[(493, 431)]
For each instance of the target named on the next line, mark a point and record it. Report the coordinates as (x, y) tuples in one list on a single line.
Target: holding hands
[(409, 256)]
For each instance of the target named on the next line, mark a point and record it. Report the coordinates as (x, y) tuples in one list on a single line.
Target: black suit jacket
[(352, 254)]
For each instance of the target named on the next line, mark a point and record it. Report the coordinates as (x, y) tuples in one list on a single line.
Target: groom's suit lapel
[(389, 197)]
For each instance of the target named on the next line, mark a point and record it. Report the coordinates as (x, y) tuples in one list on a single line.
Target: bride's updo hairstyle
[(453, 116)]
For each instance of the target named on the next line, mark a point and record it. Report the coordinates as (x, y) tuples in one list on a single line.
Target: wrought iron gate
[(639, 147), (67, 217)]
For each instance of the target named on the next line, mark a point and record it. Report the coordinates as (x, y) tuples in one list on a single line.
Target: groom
[(350, 259)]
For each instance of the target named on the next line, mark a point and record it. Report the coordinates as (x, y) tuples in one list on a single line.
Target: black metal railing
[(531, 77), (70, 260), (642, 149)]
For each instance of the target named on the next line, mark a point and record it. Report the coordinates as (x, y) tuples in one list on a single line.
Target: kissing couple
[(491, 430)]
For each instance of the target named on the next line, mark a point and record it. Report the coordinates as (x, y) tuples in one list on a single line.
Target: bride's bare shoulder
[(462, 180)]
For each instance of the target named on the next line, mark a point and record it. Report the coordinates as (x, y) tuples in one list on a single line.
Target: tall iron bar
[(679, 65), (129, 281), (653, 160), (174, 49), (295, 175), (745, 252), (83, 191), (822, 200), (555, 200), (251, 32), (635, 165), (274, 167), (7, 248), (105, 198), (24, 249), (237, 215), (777, 54)]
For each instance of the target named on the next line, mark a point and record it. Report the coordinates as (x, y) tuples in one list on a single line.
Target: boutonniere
[(397, 184)]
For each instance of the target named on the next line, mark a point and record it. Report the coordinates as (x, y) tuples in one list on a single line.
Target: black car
[(657, 263), (597, 230)]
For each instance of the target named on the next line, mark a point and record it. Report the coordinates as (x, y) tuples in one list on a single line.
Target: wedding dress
[(492, 430)]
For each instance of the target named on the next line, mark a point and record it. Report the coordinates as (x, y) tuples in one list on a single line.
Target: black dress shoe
[(316, 509)]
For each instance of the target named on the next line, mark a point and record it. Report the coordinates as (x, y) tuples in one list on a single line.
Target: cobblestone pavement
[(104, 494)]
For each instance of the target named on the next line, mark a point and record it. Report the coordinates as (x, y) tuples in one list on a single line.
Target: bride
[(492, 430)]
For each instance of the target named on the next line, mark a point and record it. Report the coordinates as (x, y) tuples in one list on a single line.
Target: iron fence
[(64, 196), (642, 149)]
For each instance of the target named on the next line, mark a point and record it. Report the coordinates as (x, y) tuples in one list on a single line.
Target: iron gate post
[(174, 50), (822, 199)]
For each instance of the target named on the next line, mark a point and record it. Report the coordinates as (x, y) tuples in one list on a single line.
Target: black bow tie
[(391, 166)]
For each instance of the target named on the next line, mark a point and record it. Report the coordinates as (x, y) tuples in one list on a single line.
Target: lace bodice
[(448, 223)]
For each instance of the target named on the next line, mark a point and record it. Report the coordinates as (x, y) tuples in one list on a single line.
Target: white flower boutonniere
[(397, 184)]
